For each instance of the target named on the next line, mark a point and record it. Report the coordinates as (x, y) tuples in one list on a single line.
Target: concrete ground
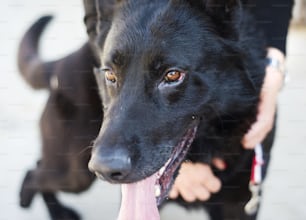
[(20, 108)]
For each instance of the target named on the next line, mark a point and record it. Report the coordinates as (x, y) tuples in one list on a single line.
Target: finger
[(201, 193), (183, 185), (213, 184), (219, 163), (174, 193), (256, 134), (187, 194), (260, 128), (253, 137), (209, 180)]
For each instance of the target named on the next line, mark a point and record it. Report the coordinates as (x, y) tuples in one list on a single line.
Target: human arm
[(273, 82), (273, 17)]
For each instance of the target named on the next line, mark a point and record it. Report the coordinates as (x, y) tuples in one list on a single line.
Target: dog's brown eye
[(110, 75), (173, 76)]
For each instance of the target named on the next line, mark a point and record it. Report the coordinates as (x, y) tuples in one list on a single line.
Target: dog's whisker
[(85, 150)]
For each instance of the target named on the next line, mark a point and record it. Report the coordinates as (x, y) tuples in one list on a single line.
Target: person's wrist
[(276, 65), (276, 54)]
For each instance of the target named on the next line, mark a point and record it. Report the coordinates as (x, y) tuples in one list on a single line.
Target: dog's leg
[(28, 190), (38, 181), (57, 210), (215, 211)]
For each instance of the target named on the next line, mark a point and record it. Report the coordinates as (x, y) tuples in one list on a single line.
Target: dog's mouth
[(141, 199), (165, 175)]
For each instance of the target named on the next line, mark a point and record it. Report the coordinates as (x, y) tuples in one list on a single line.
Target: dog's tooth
[(167, 163), (161, 171), (54, 82), (157, 190)]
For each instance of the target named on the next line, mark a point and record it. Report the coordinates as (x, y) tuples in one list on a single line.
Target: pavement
[(20, 109)]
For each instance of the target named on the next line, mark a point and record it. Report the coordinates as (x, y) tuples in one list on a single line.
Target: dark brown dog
[(69, 123)]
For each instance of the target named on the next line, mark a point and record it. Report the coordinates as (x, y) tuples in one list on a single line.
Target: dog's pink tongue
[(138, 201)]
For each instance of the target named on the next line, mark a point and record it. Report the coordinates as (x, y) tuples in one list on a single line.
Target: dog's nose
[(113, 166)]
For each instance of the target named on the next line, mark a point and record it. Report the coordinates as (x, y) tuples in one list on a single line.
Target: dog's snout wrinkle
[(113, 166)]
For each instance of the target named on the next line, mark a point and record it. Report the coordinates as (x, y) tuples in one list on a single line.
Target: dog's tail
[(36, 72)]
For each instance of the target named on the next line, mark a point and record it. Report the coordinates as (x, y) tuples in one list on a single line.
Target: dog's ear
[(90, 18), (98, 15), (221, 7), (97, 19), (105, 11), (226, 14)]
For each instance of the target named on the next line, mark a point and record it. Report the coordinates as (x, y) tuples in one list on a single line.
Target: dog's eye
[(173, 76), (110, 75)]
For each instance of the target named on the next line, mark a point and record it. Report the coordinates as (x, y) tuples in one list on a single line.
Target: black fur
[(218, 47)]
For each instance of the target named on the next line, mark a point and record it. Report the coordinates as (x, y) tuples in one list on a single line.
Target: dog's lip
[(164, 177)]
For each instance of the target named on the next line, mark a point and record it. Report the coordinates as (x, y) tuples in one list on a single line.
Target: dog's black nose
[(113, 165)]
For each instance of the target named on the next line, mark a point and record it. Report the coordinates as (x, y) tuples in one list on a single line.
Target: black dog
[(179, 79), (70, 122)]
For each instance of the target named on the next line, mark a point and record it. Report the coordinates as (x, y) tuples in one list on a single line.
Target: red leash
[(258, 162), (252, 205)]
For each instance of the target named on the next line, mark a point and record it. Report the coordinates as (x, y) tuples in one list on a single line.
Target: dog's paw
[(65, 213), (27, 192)]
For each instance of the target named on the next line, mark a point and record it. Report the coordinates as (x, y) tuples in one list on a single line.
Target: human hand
[(196, 181), (267, 106)]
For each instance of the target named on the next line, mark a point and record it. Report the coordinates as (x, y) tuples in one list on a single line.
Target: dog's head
[(166, 67)]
